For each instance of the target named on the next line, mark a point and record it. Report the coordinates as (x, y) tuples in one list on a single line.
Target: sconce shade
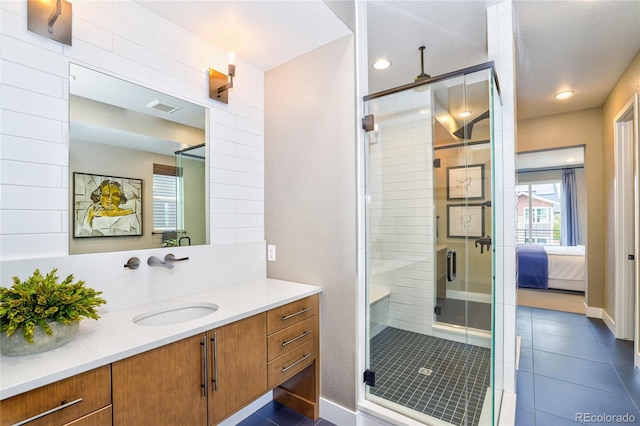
[(50, 19)]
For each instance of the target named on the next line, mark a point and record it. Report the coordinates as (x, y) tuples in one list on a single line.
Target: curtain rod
[(549, 169)]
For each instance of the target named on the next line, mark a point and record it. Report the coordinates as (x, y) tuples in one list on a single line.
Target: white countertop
[(114, 336)]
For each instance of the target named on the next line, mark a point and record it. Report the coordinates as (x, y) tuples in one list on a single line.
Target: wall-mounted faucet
[(484, 241), (154, 261), (170, 258)]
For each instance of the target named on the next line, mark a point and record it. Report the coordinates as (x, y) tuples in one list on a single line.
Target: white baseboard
[(248, 410), (337, 414), (592, 312), (610, 322), (467, 295)]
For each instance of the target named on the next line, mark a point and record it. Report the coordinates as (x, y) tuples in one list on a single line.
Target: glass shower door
[(428, 227), (191, 167)]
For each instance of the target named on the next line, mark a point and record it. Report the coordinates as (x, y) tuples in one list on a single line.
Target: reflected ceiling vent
[(161, 106)]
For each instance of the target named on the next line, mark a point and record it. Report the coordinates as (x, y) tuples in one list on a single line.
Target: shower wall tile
[(509, 373), (501, 46), (510, 284), (401, 213), (499, 276), (510, 216), (509, 330), (499, 332)]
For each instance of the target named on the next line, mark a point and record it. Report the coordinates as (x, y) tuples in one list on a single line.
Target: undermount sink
[(175, 314)]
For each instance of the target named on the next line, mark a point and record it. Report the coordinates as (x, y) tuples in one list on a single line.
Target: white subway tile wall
[(123, 39), (401, 213), (501, 48)]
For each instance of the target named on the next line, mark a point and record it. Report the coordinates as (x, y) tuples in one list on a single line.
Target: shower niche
[(429, 184)]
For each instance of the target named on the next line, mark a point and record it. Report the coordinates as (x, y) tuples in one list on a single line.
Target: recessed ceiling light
[(464, 114), (424, 111), (382, 64), (564, 94)]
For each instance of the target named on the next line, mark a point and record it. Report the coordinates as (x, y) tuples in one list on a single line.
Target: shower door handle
[(451, 265)]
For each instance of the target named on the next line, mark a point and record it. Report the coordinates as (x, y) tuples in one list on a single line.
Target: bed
[(551, 267)]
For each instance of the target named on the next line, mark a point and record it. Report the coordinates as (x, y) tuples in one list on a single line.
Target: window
[(165, 197), (539, 213)]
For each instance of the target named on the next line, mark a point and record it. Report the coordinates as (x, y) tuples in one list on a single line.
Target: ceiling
[(584, 45)]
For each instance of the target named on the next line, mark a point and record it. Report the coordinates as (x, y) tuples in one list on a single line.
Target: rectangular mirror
[(137, 166)]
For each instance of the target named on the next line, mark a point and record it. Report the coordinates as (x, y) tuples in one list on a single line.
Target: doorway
[(627, 210), (551, 231)]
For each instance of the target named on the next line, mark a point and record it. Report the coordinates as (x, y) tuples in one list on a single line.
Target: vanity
[(263, 336)]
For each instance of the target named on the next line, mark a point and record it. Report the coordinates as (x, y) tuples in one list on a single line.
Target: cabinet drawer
[(291, 363), (290, 338), (65, 400), (284, 316), (101, 417)]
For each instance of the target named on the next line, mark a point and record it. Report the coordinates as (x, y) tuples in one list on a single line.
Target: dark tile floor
[(275, 413), (572, 366), (443, 379)]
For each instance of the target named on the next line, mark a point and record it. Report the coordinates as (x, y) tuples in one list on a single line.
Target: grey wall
[(310, 196)]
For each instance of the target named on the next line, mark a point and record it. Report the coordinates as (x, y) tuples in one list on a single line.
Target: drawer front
[(65, 400), (294, 312), (102, 417), (291, 363), (290, 338)]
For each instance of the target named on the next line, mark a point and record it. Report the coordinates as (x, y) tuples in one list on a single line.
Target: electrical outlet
[(271, 253)]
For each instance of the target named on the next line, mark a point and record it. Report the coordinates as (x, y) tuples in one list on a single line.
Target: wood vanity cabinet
[(294, 364), (195, 381), (200, 380), (82, 400)]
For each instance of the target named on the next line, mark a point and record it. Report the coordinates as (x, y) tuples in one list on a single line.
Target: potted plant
[(41, 313)]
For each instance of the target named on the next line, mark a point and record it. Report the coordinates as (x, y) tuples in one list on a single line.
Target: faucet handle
[(170, 258), (132, 263)]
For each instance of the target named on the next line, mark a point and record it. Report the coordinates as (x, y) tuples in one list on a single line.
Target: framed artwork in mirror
[(106, 206), (465, 182), (465, 220)]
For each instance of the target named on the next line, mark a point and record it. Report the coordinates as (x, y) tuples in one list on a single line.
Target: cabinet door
[(239, 366), (164, 386)]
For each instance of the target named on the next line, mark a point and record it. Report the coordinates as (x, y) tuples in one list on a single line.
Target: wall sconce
[(219, 84), (50, 19)]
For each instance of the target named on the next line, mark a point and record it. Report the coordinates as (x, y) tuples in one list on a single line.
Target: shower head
[(465, 131)]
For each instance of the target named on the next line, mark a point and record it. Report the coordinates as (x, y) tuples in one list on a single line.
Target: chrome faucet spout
[(154, 261)]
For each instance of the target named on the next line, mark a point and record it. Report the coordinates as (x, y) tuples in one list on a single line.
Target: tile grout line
[(616, 372)]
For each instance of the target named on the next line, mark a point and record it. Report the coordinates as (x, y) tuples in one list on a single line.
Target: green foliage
[(41, 299)]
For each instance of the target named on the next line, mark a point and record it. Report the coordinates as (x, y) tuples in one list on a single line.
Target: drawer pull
[(285, 369), (46, 413), (296, 338), (286, 317), (215, 360), (205, 362)]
